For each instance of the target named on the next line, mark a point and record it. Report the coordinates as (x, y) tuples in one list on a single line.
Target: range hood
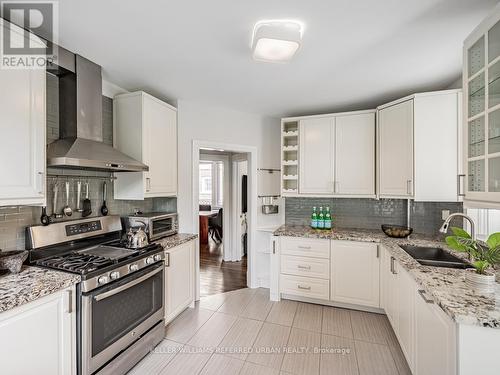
[(80, 120)]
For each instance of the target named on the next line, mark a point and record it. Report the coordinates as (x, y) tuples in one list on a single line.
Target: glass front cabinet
[(481, 84)]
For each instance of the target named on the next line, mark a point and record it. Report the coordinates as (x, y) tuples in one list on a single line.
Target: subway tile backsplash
[(371, 213), (14, 220)]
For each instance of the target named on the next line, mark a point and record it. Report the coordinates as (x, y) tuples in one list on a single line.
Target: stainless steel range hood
[(80, 120)]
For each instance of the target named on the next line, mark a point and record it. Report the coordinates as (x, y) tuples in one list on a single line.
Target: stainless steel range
[(120, 300)]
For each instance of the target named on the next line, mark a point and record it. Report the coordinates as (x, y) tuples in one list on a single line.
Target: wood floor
[(243, 333), (217, 276)]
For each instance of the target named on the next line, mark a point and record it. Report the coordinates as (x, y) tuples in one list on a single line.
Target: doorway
[(222, 212)]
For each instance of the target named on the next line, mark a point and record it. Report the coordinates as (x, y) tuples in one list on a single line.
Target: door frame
[(226, 219), (236, 185), (252, 202)]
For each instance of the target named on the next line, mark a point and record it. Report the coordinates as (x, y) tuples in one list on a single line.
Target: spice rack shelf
[(290, 157)]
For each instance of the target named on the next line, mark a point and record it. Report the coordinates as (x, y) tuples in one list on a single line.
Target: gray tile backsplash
[(371, 213), (13, 220)]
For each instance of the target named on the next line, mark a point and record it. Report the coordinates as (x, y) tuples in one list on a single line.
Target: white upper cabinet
[(395, 132), (481, 82), (419, 147), (336, 155), (355, 154), (22, 144), (316, 155), (145, 128)]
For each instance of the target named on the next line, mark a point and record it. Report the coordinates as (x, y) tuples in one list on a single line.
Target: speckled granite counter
[(176, 240), (30, 284), (446, 285)]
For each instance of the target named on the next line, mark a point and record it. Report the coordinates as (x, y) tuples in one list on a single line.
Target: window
[(211, 183), (487, 221)]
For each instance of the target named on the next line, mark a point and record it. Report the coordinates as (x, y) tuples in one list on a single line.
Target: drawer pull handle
[(304, 267), (305, 247), (303, 287), (423, 295)]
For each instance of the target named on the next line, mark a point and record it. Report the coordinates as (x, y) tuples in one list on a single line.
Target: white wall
[(197, 121)]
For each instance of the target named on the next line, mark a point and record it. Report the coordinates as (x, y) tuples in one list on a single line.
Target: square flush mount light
[(276, 40)]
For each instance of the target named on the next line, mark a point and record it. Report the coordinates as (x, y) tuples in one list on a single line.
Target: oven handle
[(112, 292)]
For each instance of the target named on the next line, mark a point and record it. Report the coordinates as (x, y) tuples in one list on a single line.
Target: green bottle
[(314, 219), (328, 219), (321, 219)]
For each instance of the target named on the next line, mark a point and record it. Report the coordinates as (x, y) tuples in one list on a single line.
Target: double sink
[(434, 256)]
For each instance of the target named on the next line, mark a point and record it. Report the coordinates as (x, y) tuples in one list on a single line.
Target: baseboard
[(333, 304)]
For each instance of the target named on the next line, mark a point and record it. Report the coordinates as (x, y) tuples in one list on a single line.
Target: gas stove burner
[(76, 262)]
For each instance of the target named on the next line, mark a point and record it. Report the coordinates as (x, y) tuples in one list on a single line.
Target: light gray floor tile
[(336, 322), (255, 369), (304, 358), (239, 340), (236, 302), (374, 359), (369, 327), (272, 337), (338, 356), (282, 312), (182, 328), (213, 331), (155, 361), (308, 317), (222, 365), (188, 362), (258, 308)]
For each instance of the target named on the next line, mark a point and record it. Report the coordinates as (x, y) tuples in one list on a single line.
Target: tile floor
[(242, 332)]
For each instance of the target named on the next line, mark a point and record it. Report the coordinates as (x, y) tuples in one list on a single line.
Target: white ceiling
[(355, 54)]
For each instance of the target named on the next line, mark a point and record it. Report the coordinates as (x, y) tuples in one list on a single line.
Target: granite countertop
[(30, 284), (446, 285), (176, 240)]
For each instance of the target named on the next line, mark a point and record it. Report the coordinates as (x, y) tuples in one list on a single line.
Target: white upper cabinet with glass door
[(482, 110)]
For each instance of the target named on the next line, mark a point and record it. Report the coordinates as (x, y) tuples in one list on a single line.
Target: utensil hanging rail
[(66, 176)]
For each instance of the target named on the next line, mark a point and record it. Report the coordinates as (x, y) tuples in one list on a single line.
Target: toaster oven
[(157, 224)]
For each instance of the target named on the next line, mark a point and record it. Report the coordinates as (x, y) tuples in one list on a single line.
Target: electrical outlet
[(445, 214)]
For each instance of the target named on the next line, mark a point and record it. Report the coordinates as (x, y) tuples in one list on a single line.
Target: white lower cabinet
[(355, 273), (435, 339), (179, 279), (40, 337), (427, 336)]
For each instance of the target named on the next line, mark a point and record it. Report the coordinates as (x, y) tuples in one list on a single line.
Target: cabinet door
[(159, 148), (179, 279), (396, 150), (355, 269), (355, 154), (435, 340), (22, 143), (406, 315), (392, 293), (48, 327), (316, 156)]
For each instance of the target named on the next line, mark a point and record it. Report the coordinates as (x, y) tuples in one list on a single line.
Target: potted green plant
[(483, 255)]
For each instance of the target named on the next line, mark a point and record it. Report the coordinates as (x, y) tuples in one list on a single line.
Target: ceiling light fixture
[(276, 40)]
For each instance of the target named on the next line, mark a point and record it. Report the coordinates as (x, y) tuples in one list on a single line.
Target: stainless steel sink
[(434, 256)]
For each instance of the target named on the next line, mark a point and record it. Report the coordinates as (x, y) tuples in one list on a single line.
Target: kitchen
[(99, 216)]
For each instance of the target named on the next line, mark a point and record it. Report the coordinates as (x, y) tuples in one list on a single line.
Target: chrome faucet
[(446, 224)]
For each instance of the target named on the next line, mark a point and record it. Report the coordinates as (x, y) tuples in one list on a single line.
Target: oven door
[(162, 226), (115, 316)]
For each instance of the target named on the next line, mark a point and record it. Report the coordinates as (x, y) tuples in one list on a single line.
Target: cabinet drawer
[(303, 266), (305, 286), (305, 247)]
